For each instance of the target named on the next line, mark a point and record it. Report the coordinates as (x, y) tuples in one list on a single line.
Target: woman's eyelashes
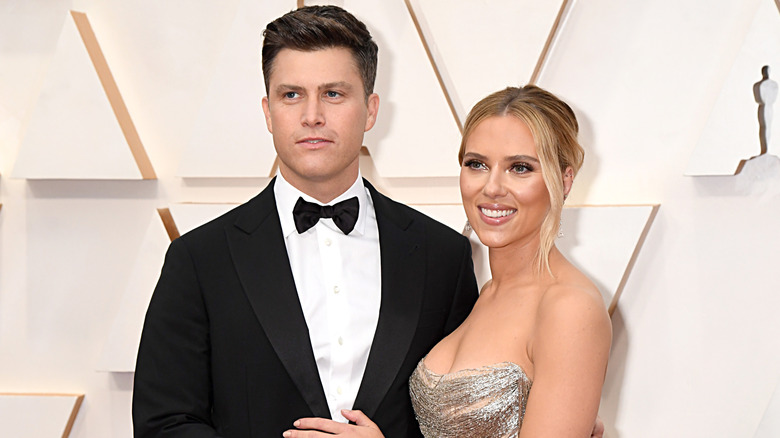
[(517, 168), (521, 168), (474, 164)]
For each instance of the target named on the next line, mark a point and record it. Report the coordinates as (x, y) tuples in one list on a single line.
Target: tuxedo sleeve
[(466, 291), (172, 387)]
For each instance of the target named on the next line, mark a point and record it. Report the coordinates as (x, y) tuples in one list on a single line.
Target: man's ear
[(373, 109), (267, 112)]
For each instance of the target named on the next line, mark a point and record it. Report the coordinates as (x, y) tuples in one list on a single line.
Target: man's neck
[(324, 191)]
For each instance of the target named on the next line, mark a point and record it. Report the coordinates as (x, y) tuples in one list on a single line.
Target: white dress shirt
[(338, 278)]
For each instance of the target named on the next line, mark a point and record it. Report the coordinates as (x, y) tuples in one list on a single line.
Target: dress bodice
[(474, 403)]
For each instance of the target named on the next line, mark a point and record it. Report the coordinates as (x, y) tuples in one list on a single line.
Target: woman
[(539, 322)]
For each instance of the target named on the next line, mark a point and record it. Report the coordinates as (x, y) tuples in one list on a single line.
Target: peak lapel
[(403, 270), (260, 257)]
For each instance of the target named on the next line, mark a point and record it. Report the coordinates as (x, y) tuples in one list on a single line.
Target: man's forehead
[(314, 69)]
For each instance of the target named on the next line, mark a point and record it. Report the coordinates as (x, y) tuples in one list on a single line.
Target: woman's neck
[(518, 265)]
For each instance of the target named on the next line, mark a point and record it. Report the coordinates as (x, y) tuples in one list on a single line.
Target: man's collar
[(286, 195)]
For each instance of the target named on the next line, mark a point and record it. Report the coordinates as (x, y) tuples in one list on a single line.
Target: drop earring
[(560, 223)]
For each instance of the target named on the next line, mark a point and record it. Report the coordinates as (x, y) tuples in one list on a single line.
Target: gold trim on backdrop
[(169, 223), (613, 304), (548, 44), (73, 413), (114, 96), (433, 65), (275, 167)]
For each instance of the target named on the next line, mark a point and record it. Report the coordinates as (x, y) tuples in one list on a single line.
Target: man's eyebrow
[(283, 88), (337, 84)]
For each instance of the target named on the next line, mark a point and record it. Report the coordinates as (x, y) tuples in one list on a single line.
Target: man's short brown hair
[(321, 27)]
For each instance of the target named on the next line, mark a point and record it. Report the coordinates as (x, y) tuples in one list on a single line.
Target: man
[(270, 313)]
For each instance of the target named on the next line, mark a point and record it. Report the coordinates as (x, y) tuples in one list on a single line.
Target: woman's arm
[(569, 351)]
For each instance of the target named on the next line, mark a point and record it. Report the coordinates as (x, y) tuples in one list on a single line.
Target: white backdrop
[(696, 351)]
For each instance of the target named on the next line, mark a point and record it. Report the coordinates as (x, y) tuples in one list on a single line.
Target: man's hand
[(598, 429), (322, 427)]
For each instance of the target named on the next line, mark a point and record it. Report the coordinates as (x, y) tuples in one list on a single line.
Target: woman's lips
[(496, 215)]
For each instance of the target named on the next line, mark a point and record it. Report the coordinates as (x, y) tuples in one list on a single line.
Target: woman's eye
[(474, 164), (521, 168)]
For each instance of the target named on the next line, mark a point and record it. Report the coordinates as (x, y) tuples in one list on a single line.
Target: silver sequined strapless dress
[(475, 403)]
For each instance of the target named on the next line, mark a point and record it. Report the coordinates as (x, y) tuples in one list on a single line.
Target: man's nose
[(312, 113)]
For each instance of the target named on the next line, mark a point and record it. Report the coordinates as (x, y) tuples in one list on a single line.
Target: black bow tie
[(344, 214)]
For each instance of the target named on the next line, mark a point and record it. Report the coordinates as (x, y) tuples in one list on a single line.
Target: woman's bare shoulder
[(573, 302)]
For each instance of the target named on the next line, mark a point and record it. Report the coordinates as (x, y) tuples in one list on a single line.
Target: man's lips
[(313, 141)]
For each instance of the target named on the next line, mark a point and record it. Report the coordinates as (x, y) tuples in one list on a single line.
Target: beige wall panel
[(230, 138), (770, 423), (484, 46), (73, 132), (698, 319), (28, 32), (121, 344), (416, 133), (191, 216), (642, 78), (732, 131), (38, 415), (604, 241)]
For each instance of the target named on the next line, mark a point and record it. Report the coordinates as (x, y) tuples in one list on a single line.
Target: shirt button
[(336, 289), (327, 242), (341, 340), (339, 390)]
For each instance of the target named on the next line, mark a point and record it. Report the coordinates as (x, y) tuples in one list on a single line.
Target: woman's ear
[(568, 179)]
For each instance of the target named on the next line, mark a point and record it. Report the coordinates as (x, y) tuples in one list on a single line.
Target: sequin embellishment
[(474, 403)]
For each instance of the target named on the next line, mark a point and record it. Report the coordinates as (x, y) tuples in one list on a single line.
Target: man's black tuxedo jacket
[(225, 349)]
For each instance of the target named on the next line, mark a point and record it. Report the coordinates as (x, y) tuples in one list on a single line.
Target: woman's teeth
[(496, 213)]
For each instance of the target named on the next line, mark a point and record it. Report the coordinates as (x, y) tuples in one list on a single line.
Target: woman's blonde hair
[(554, 128)]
